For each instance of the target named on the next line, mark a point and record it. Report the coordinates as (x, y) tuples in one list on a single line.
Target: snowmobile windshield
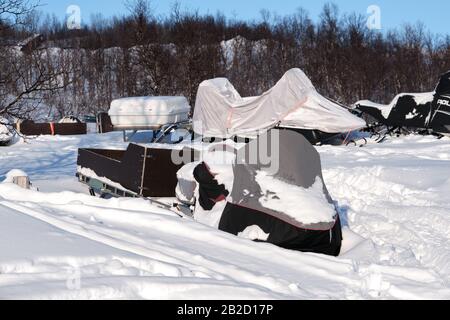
[(443, 87)]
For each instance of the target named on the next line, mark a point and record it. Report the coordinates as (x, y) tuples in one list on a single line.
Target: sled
[(161, 115), (148, 112), (139, 171)]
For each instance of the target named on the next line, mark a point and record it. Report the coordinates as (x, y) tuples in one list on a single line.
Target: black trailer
[(139, 171)]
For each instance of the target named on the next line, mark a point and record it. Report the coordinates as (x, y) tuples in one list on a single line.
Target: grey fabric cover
[(299, 164)]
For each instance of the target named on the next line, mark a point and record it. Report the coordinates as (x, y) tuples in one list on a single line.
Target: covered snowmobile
[(285, 203), (293, 103), (418, 112)]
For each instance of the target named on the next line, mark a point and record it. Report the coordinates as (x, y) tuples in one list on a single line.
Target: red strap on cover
[(52, 128)]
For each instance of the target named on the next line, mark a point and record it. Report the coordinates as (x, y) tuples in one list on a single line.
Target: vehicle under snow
[(427, 112), (6, 134), (283, 201)]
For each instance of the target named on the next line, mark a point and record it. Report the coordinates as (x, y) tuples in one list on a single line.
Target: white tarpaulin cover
[(293, 102), (148, 111)]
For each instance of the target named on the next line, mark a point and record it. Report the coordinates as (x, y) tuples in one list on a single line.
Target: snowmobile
[(292, 104), (284, 202), (423, 113)]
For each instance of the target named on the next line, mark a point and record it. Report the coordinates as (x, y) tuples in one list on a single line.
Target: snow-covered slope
[(62, 243)]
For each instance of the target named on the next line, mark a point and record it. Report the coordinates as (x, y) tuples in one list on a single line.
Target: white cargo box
[(148, 112)]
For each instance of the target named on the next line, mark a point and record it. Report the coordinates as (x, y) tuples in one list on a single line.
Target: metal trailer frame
[(107, 191), (142, 170)]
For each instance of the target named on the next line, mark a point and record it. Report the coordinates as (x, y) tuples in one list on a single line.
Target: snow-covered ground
[(62, 243)]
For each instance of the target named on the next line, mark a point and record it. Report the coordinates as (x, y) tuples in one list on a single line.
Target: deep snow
[(62, 243)]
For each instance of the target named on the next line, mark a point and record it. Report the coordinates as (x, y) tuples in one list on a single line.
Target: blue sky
[(433, 13)]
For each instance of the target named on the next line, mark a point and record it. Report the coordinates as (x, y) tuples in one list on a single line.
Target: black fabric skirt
[(236, 219)]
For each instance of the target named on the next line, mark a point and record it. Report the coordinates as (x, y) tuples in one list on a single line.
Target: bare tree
[(24, 77), (25, 81), (144, 54), (14, 11)]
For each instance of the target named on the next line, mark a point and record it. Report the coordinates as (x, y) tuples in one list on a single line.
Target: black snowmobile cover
[(440, 112), (210, 192), (236, 219), (285, 198)]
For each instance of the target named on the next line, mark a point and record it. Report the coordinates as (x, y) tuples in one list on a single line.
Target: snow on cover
[(288, 198)]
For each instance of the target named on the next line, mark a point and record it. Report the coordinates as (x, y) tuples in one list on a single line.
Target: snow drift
[(392, 198)]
